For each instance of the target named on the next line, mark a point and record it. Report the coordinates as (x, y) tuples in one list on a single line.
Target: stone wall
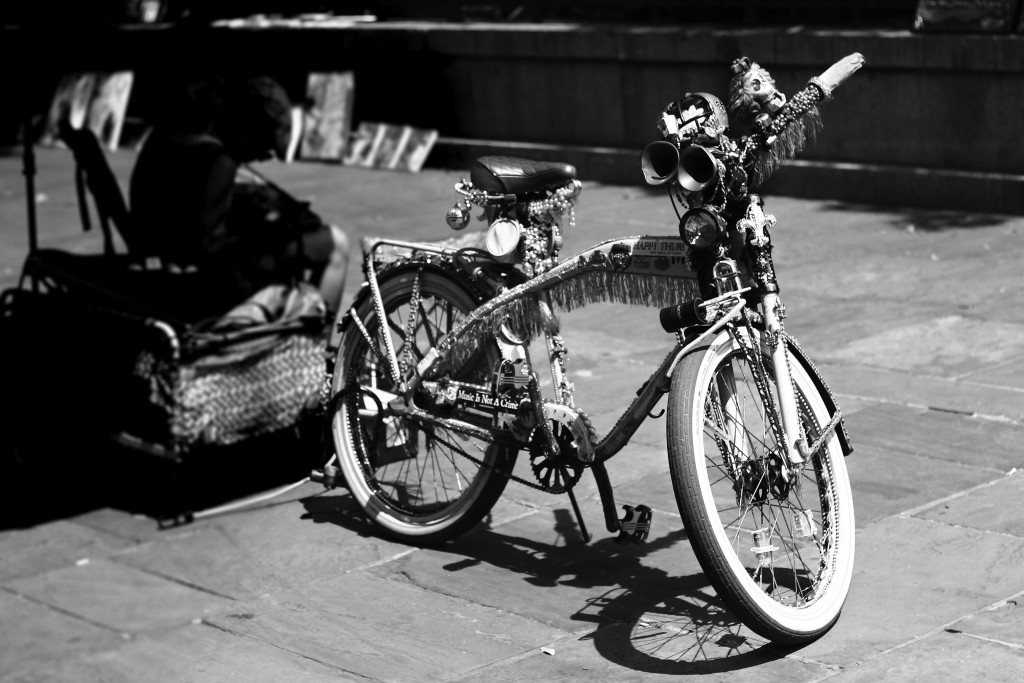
[(933, 120)]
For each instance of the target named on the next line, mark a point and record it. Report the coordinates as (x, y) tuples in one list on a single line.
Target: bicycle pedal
[(634, 525)]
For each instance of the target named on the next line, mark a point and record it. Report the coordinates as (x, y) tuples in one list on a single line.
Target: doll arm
[(836, 74)]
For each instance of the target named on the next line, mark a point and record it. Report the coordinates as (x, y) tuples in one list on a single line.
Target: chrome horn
[(695, 167), (659, 162)]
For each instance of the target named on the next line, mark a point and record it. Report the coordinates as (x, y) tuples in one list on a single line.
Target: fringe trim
[(526, 321), (790, 142)]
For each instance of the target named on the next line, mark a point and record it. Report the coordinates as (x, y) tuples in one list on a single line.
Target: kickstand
[(604, 487), (579, 516)]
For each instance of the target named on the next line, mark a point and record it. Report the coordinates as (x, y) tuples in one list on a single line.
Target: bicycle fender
[(800, 357)]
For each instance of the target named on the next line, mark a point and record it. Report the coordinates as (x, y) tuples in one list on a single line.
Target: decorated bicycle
[(433, 394)]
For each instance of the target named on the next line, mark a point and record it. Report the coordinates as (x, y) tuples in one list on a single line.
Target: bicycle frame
[(624, 257)]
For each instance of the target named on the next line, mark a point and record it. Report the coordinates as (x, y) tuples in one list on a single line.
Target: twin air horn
[(694, 166), (675, 156)]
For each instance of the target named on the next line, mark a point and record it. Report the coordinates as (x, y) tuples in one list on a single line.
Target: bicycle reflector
[(700, 227)]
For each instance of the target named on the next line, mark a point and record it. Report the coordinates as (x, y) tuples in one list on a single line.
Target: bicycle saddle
[(511, 175)]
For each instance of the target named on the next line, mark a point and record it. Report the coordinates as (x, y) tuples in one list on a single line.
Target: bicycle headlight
[(700, 227)]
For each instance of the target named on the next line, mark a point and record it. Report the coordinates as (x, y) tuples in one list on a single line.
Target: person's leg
[(332, 281)]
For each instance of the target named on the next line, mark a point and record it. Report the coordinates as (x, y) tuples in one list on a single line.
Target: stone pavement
[(916, 321)]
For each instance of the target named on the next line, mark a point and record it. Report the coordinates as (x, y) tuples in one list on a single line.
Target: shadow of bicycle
[(648, 619), (645, 618)]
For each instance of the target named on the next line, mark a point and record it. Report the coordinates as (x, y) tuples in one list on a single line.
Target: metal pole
[(28, 169)]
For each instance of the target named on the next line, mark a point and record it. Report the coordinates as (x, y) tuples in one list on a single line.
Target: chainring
[(554, 473), (574, 434)]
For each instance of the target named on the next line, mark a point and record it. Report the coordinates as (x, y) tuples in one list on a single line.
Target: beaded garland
[(541, 236)]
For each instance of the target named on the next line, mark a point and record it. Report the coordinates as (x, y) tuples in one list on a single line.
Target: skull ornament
[(695, 114)]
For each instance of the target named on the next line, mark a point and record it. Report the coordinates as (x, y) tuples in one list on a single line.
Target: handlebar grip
[(686, 314), (836, 75)]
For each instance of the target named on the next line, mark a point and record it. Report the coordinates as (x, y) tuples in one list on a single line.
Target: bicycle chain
[(508, 475), (519, 480)]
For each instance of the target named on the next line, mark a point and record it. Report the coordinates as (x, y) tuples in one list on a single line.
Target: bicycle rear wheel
[(779, 553), (419, 483)]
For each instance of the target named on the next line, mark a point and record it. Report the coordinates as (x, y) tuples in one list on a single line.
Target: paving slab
[(901, 388), (1003, 623), (990, 508), (940, 435), (943, 657), (913, 576), (887, 482), (34, 635), (870, 260), (319, 537), (339, 622), (197, 653), (208, 559), (57, 544), (119, 597), (1009, 375), (949, 346), (133, 527), (824, 323)]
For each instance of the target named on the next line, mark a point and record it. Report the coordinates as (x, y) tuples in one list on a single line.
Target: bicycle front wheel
[(419, 482), (779, 551)]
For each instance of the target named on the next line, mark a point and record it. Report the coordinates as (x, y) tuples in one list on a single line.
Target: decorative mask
[(752, 91)]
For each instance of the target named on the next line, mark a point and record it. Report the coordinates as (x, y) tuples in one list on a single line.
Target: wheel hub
[(761, 478)]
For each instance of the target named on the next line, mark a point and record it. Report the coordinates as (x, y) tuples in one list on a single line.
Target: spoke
[(716, 431), (396, 328), (431, 338), (725, 476)]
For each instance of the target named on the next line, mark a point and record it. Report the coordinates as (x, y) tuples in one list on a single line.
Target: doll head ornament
[(752, 91)]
